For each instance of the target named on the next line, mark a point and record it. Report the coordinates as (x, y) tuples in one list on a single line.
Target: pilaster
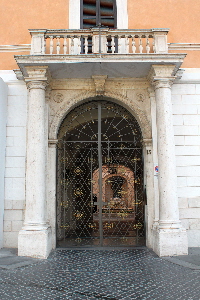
[(51, 193), (170, 237), (151, 92), (148, 184)]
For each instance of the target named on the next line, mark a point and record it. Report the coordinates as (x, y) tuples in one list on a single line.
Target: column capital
[(163, 83), (36, 85), (37, 77), (162, 76)]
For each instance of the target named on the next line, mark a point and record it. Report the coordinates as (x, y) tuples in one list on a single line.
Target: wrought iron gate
[(100, 177)]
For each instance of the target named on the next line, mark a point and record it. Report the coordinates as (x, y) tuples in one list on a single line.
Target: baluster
[(45, 42), (72, 45), (107, 44), (133, 44), (92, 43), (79, 45), (154, 47), (65, 45), (147, 45), (140, 44), (119, 45), (58, 45), (51, 44), (113, 44), (126, 44), (86, 44)]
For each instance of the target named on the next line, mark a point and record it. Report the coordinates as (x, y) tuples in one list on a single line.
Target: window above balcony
[(98, 13)]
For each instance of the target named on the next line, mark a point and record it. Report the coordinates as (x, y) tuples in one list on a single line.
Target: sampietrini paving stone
[(101, 274)]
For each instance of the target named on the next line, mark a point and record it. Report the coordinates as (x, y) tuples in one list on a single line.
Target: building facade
[(100, 125)]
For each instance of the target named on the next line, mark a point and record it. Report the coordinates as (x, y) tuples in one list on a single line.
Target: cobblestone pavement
[(121, 274)]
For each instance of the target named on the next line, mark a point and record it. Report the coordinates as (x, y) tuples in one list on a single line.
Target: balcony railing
[(98, 41)]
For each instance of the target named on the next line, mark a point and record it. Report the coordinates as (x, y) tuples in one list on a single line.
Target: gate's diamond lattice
[(100, 177)]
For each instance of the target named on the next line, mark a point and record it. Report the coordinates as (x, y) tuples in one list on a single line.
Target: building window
[(98, 12)]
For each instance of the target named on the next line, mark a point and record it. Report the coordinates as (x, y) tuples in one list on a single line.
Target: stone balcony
[(101, 41), (82, 53)]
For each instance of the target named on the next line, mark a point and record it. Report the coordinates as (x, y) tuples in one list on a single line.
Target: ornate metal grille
[(100, 177)]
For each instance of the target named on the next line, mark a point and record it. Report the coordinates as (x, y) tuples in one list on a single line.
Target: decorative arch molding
[(127, 103), (135, 110), (64, 109)]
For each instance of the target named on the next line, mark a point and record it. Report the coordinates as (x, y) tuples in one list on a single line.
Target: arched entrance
[(100, 177)]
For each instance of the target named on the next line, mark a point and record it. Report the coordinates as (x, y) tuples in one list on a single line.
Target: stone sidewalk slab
[(192, 260), (10, 260), (106, 274)]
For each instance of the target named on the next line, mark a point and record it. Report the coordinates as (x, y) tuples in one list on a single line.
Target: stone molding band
[(52, 143), (147, 142)]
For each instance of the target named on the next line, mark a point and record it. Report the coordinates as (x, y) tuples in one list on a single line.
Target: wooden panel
[(95, 12)]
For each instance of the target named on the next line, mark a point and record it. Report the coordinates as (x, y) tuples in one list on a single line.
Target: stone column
[(35, 236), (170, 237)]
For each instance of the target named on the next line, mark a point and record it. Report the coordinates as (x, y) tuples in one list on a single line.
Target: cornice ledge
[(15, 48), (51, 58), (18, 74), (184, 46)]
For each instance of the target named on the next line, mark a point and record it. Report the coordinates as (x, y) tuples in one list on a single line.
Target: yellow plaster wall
[(17, 16), (192, 60), (20, 15), (180, 16)]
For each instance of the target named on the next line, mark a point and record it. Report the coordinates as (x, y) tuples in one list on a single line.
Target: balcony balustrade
[(83, 53), (98, 41)]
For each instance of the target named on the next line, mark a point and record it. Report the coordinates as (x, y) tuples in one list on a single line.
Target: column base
[(35, 243), (170, 242)]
